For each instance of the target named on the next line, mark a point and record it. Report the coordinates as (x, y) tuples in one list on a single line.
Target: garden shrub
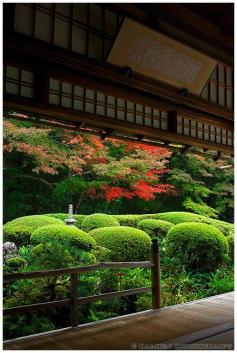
[(20, 229), (13, 264), (63, 233), (125, 243), (225, 227), (56, 255), (154, 227), (230, 240), (222, 281), (144, 302), (180, 217), (78, 217), (128, 220), (101, 253), (98, 220), (200, 247)]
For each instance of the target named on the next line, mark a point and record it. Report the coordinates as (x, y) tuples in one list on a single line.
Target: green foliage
[(179, 217), (63, 233), (222, 281), (225, 227), (101, 253), (56, 255), (189, 182), (129, 220), (13, 264), (201, 181), (73, 190), (223, 189), (155, 228), (144, 302), (98, 220), (125, 243), (134, 278), (231, 244), (24, 325), (200, 208), (20, 229), (200, 247), (180, 286)]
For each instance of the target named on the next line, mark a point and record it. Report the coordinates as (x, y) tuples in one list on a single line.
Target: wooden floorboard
[(146, 330)]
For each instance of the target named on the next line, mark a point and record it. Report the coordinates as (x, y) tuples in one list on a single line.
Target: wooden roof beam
[(107, 79), (103, 122)]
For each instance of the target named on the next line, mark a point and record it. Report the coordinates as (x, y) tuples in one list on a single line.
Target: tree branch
[(33, 178)]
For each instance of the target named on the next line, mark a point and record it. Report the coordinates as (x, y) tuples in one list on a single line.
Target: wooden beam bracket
[(107, 133), (128, 71), (139, 137), (79, 125), (183, 92)]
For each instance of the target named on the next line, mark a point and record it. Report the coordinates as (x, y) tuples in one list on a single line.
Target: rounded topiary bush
[(20, 229), (125, 243), (154, 227), (128, 220), (63, 233), (98, 220), (180, 217), (225, 227), (199, 247), (14, 263)]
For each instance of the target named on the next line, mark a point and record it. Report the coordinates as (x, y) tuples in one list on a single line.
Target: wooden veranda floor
[(203, 324)]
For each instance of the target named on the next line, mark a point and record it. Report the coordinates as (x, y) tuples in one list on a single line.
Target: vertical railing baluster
[(74, 299), (155, 275)]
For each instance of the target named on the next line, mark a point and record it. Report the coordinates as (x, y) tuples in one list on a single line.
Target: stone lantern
[(70, 220)]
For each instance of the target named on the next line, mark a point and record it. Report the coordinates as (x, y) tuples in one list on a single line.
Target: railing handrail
[(83, 269), (154, 264)]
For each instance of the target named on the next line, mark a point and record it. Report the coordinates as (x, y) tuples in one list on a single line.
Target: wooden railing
[(73, 302)]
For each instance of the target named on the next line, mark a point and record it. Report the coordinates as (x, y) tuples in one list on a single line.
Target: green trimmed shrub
[(225, 227), (63, 233), (128, 220), (180, 217), (58, 254), (230, 240), (98, 220), (199, 247), (20, 229), (101, 253), (125, 243), (78, 217), (154, 227), (14, 263)]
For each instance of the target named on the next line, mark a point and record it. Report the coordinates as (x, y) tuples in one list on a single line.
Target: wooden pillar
[(74, 300), (41, 86), (155, 275), (172, 121)]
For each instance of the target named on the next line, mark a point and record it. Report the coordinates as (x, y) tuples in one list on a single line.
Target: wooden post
[(155, 275), (74, 300), (172, 121)]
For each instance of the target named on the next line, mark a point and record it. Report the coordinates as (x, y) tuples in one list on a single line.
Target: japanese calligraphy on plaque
[(153, 54)]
